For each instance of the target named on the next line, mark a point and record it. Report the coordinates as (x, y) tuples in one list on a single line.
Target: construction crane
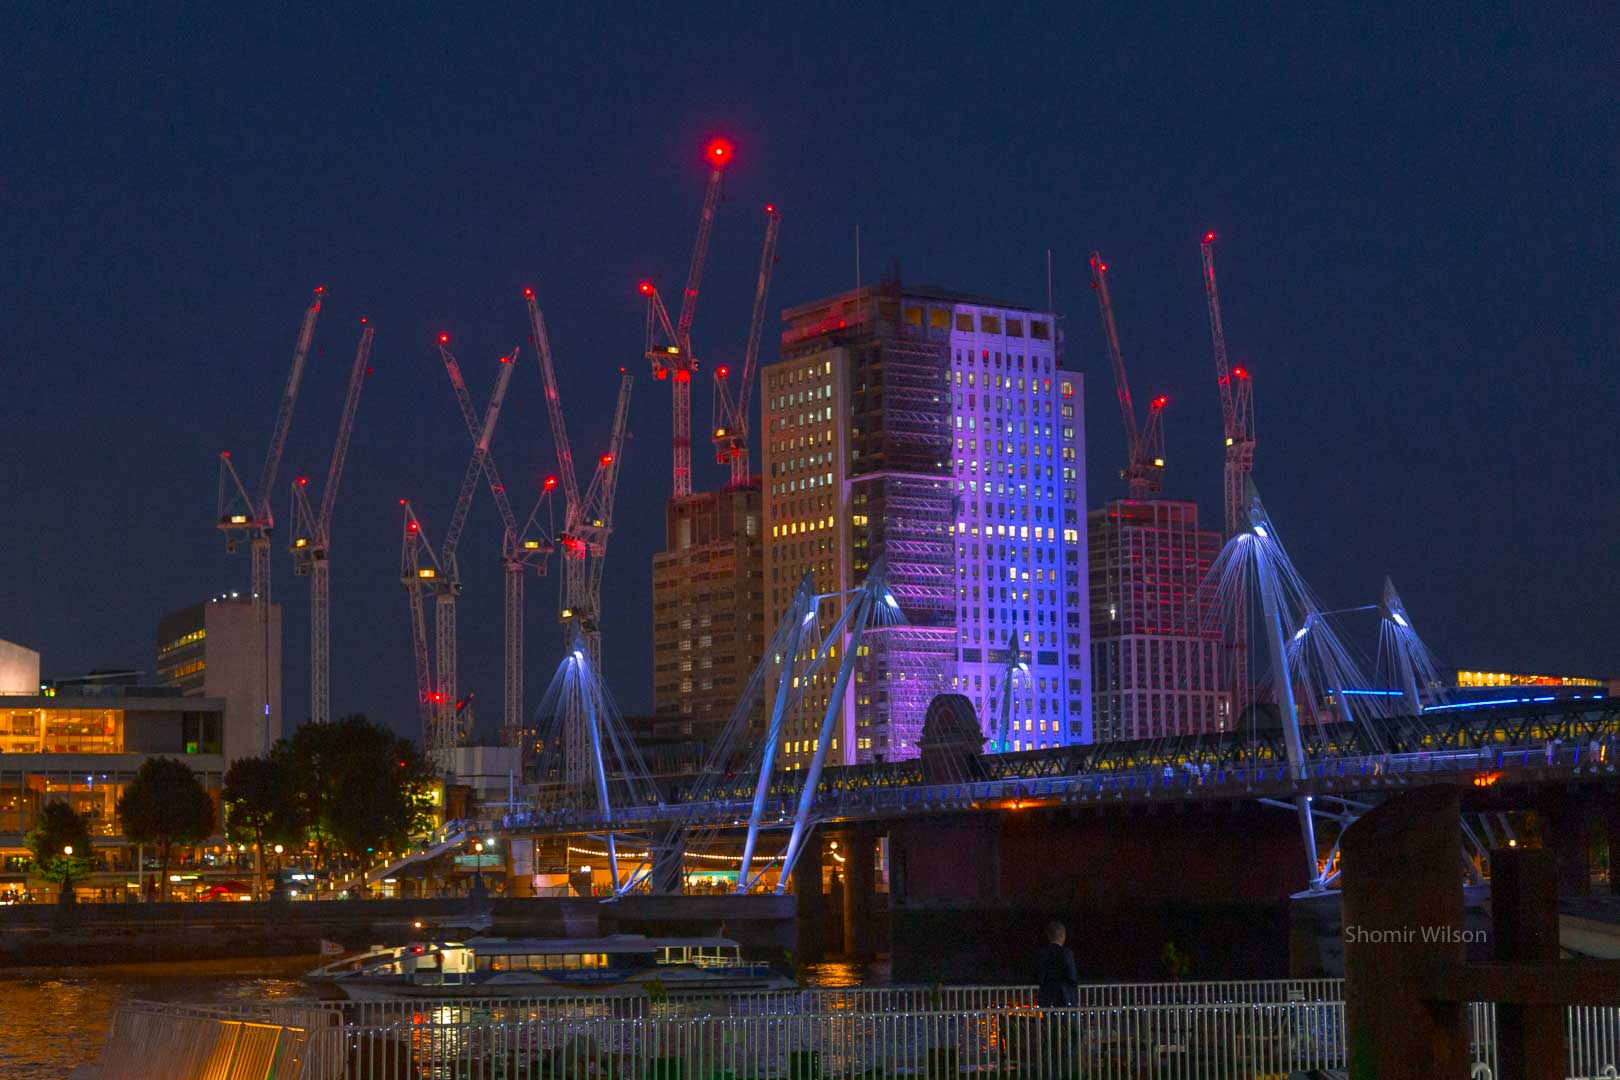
[(730, 433), (669, 346), (312, 538), (1144, 447), (241, 516), (587, 518), (419, 572), (523, 547), (1237, 419), (449, 716)]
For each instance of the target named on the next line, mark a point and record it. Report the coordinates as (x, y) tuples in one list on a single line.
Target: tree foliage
[(359, 787), (165, 804), (58, 828), (261, 806)]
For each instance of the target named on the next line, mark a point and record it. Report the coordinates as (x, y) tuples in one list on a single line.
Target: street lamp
[(67, 849), (478, 889)]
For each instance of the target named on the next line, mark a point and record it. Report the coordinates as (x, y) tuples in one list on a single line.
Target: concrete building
[(19, 669), (82, 747), (938, 432), (708, 609), (211, 650), (1156, 663)]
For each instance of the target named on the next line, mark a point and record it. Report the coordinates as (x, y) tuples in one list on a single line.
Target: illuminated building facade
[(939, 433), (1156, 665), (211, 650), (708, 610), (83, 748)]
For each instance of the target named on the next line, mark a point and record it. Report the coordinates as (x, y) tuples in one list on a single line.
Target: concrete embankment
[(84, 934)]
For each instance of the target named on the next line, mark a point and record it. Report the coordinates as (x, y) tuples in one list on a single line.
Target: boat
[(498, 967)]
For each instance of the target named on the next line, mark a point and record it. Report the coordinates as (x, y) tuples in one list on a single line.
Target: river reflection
[(52, 1019)]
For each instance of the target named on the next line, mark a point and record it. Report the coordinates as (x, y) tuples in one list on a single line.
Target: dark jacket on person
[(1057, 980)]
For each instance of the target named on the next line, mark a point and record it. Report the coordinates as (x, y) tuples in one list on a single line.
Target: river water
[(52, 1019)]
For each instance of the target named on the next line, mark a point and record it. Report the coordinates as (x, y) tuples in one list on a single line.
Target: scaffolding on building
[(900, 485)]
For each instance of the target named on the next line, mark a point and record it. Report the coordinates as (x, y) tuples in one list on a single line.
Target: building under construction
[(708, 609), (936, 432), (1156, 659)]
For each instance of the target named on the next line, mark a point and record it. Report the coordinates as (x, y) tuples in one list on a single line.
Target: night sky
[(1419, 258)]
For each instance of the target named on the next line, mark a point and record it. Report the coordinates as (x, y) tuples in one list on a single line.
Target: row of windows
[(183, 640)]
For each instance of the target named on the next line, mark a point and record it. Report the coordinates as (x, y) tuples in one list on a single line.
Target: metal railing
[(1170, 1031)]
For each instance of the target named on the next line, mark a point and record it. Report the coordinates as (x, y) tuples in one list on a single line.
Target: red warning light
[(661, 373), (607, 459), (410, 526), (1160, 401), (1103, 267), (683, 376), (718, 152), (551, 482), (1209, 238), (770, 208), (319, 289), (370, 370), (1242, 373), (444, 339), (302, 480), (646, 288), (363, 320), (528, 293), (506, 359), (225, 453), (722, 371)]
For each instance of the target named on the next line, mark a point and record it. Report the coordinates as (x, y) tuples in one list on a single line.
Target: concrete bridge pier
[(1569, 835), (860, 852), (811, 938)]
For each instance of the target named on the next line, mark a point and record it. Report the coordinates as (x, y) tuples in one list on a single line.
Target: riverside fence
[(1166, 1031)]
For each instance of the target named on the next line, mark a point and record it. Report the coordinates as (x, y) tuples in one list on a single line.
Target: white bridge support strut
[(1260, 537), (872, 602), (801, 613)]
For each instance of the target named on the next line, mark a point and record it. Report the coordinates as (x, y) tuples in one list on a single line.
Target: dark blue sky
[(1420, 261)]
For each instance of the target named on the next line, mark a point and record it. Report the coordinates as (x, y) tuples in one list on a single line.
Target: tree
[(60, 845), (165, 805), (261, 807), (359, 785)]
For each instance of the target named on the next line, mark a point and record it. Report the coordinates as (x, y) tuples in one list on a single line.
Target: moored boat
[(492, 967)]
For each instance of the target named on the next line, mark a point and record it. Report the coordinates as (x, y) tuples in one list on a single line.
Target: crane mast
[(449, 578), (312, 538), (672, 357), (1237, 418), (587, 524), (1144, 447), (521, 547), (240, 516), (730, 434), (419, 571)]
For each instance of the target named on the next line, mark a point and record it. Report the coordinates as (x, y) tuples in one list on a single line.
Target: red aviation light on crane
[(718, 152), (528, 294), (646, 288), (302, 480), (1160, 402), (319, 289), (506, 359), (1209, 238), (770, 208), (722, 371), (607, 459), (444, 339), (551, 482), (1240, 373)]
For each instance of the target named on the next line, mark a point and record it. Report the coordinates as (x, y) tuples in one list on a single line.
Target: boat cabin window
[(541, 961)]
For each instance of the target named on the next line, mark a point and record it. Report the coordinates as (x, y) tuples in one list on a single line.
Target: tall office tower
[(1156, 658), (209, 650), (938, 432), (708, 610)]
